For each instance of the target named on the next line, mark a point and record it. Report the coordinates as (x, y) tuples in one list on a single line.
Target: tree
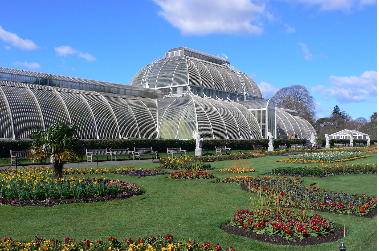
[(356, 124), (371, 127), (60, 143), (335, 122), (296, 97)]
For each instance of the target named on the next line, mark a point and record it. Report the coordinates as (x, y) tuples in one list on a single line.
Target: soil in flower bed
[(55, 202), (371, 214), (279, 240)]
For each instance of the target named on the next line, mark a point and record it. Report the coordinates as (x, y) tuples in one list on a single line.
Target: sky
[(328, 46)]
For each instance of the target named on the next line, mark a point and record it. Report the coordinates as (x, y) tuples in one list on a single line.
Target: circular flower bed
[(38, 187), (289, 192), (285, 223)]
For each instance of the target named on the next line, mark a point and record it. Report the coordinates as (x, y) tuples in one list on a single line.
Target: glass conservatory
[(182, 92)]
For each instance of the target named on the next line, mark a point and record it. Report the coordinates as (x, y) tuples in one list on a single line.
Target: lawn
[(186, 209)]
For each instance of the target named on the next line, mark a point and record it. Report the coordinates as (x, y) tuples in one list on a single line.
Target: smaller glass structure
[(345, 134)]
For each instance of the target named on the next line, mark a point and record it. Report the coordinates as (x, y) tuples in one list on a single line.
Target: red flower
[(111, 238), (206, 245), (169, 237), (67, 239), (217, 247)]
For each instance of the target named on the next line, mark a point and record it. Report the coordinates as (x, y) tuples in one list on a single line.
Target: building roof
[(347, 132)]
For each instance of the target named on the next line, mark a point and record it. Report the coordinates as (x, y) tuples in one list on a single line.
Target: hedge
[(160, 145)]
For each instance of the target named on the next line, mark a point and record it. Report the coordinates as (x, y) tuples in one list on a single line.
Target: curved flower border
[(149, 244)]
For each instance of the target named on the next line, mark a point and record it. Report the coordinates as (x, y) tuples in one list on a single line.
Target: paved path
[(124, 163)]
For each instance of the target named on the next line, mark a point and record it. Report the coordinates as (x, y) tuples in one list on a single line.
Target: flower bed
[(325, 157), (289, 192), (285, 223), (37, 187), (237, 170), (372, 150), (117, 170), (185, 162), (153, 243), (191, 175), (326, 170)]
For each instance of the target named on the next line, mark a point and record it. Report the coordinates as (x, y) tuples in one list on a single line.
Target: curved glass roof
[(193, 68), (179, 116), (26, 108), (31, 77), (290, 125)]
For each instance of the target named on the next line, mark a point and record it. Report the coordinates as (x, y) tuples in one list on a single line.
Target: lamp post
[(342, 247)]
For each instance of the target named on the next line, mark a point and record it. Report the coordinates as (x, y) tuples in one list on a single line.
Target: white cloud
[(201, 17), (31, 65), (16, 41), (65, 50), (289, 29), (306, 53), (335, 4), (87, 56), (351, 89), (267, 90)]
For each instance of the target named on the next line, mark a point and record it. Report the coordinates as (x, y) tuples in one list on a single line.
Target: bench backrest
[(143, 150), (97, 151), (20, 154), (221, 147), (174, 150), (120, 151)]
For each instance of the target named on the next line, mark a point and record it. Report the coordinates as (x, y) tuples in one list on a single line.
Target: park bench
[(257, 148), (17, 156), (90, 153), (120, 152), (144, 152), (360, 144), (282, 147), (297, 146), (308, 146), (338, 145), (173, 151), (221, 149)]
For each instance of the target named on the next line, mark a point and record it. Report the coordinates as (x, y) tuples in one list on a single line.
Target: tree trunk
[(58, 168)]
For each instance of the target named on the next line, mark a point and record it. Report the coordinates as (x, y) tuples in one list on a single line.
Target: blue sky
[(329, 46)]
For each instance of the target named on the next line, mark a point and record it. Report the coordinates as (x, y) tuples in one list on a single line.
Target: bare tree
[(371, 127), (297, 98)]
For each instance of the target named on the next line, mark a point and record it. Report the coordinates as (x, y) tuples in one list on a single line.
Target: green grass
[(186, 209)]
